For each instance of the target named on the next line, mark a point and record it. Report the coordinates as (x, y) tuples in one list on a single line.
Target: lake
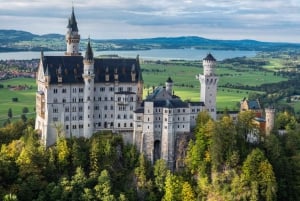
[(154, 54)]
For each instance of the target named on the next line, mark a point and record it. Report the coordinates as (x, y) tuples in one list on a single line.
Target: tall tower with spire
[(209, 82), (88, 77), (72, 37)]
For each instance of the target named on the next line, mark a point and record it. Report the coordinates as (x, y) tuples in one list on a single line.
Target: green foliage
[(173, 188), (9, 113), (258, 176)]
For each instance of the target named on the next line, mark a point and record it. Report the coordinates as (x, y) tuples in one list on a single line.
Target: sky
[(263, 20)]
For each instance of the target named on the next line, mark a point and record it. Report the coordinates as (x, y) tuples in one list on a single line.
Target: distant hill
[(14, 40)]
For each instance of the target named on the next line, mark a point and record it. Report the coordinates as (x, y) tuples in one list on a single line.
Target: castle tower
[(209, 82), (270, 119), (88, 77), (72, 37), (169, 85)]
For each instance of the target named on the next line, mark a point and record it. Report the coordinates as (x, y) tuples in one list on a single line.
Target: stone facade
[(80, 95)]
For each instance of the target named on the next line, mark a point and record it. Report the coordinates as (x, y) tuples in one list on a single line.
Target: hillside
[(14, 40)]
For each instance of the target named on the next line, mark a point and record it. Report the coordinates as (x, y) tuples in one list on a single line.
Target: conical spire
[(89, 52), (72, 22), (209, 57)]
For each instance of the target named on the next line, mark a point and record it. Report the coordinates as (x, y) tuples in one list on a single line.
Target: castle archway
[(157, 150)]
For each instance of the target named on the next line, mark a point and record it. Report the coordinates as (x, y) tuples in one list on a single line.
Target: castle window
[(111, 89), (125, 125), (178, 110), (131, 116), (74, 90), (105, 98), (55, 119), (67, 127), (80, 90), (55, 100), (73, 109), (105, 116), (111, 98), (55, 91), (131, 125), (64, 90), (119, 125), (183, 110), (105, 107), (80, 118), (80, 126), (111, 107), (67, 109), (64, 100), (111, 116), (67, 118), (80, 109), (74, 118), (125, 116)]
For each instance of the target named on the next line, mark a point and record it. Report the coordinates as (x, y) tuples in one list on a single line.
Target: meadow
[(183, 74), (26, 98)]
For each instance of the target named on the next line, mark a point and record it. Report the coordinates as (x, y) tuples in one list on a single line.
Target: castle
[(80, 95)]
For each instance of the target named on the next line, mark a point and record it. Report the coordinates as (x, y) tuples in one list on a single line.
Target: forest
[(220, 164)]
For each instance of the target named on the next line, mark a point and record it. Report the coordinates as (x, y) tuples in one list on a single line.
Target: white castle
[(80, 95)]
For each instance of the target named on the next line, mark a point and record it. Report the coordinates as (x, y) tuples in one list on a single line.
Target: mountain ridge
[(17, 40)]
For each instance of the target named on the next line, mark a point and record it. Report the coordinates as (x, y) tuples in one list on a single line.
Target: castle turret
[(169, 85), (72, 37), (209, 82), (270, 119), (88, 77)]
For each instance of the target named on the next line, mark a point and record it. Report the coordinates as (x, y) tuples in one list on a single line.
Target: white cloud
[(224, 19)]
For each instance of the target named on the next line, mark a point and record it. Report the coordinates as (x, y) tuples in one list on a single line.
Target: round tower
[(72, 37), (169, 85), (270, 119), (209, 63), (88, 77), (208, 82)]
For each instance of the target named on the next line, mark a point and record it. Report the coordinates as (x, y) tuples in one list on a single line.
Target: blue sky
[(264, 20)]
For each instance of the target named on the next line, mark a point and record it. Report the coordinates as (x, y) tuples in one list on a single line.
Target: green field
[(26, 98)]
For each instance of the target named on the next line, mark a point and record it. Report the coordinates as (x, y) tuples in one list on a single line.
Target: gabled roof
[(253, 105), (173, 103), (70, 68)]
